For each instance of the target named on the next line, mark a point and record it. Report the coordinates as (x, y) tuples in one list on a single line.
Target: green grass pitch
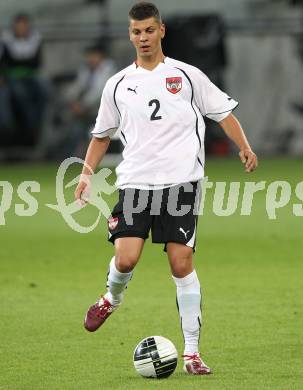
[(251, 272)]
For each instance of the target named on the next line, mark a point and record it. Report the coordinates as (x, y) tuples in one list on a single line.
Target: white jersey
[(159, 114)]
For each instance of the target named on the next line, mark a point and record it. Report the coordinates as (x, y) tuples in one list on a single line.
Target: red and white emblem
[(174, 84), (112, 223)]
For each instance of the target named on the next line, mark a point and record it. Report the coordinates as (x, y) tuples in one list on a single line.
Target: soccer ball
[(155, 357)]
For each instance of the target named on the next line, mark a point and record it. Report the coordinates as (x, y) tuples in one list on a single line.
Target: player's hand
[(249, 158), (82, 191)]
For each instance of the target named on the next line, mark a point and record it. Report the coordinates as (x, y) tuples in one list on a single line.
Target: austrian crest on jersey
[(174, 84)]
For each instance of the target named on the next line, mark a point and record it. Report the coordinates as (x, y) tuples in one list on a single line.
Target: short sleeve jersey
[(159, 115)]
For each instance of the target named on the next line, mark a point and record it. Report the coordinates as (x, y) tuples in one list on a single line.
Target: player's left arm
[(234, 131)]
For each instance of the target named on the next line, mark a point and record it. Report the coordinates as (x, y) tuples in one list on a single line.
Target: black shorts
[(171, 214)]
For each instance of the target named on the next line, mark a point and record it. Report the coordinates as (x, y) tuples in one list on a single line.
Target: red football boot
[(194, 365), (97, 314)]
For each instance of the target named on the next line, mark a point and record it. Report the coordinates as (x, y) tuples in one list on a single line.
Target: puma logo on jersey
[(133, 90), (182, 231)]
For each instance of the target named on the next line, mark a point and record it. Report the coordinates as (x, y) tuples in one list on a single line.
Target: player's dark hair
[(144, 10)]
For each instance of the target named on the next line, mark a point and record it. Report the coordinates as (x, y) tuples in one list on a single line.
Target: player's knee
[(181, 270), (181, 265), (126, 262)]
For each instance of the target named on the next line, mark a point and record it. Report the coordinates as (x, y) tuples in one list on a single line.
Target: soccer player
[(158, 105)]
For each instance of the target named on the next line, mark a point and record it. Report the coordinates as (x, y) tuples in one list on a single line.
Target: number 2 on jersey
[(154, 116)]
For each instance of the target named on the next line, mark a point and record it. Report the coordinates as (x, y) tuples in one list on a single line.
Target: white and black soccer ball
[(155, 357)]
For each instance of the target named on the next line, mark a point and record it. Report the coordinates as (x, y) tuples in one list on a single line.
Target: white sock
[(116, 283), (189, 301)]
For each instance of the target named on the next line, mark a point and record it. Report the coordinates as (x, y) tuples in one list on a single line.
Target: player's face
[(146, 36)]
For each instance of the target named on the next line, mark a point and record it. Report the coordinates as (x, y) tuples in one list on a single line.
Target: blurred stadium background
[(250, 267), (251, 48)]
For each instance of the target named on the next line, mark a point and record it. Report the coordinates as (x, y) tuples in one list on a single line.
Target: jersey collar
[(159, 66)]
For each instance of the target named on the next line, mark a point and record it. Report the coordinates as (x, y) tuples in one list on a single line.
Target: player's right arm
[(94, 155), (106, 125)]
